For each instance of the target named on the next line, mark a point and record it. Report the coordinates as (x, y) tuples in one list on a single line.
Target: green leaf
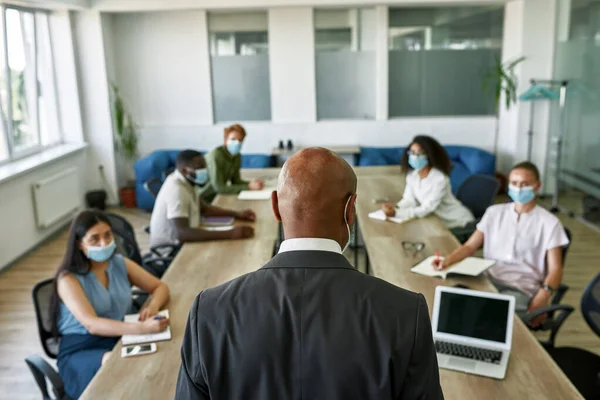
[(514, 63)]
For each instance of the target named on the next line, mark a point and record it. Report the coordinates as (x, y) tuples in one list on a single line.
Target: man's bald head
[(313, 189)]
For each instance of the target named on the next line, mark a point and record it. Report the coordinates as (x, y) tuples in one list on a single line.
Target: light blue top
[(112, 303)]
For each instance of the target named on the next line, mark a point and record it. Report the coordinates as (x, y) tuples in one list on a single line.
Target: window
[(345, 63), (239, 48), (27, 85), (435, 53)]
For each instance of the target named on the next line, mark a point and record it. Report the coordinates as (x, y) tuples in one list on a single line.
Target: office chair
[(155, 262), (167, 172), (42, 294), (41, 371), (581, 366), (153, 186), (477, 193)]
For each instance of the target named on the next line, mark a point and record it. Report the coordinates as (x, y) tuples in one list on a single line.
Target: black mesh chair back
[(124, 235), (477, 193), (590, 304), (566, 248), (42, 295), (153, 186)]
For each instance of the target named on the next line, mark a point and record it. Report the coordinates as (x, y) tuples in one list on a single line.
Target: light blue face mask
[(521, 195), (200, 176), (417, 162), (101, 253), (234, 147)]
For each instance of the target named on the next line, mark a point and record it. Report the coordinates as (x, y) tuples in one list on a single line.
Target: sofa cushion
[(256, 161), (372, 156)]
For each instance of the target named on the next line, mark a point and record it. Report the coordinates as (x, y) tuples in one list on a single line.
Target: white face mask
[(347, 226)]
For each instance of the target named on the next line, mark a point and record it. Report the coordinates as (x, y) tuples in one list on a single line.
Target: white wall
[(94, 97), (524, 35), (18, 229), (292, 65), (163, 68)]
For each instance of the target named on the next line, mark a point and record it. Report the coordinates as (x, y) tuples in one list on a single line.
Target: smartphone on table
[(138, 350)]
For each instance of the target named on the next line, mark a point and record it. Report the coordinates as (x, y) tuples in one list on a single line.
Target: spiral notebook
[(146, 337)]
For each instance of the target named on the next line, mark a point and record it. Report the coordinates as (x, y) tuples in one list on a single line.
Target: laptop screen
[(472, 316)]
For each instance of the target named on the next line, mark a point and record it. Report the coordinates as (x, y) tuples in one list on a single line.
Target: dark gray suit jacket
[(308, 326)]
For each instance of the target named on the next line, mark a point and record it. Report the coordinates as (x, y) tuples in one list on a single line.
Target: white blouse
[(432, 194)]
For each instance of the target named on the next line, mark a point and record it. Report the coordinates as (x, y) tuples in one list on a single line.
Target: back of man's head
[(315, 195), (186, 157)]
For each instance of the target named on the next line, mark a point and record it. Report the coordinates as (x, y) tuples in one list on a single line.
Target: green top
[(222, 169)]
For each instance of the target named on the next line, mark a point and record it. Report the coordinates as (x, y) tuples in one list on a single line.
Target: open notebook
[(264, 194), (146, 337), (471, 266), (380, 215)]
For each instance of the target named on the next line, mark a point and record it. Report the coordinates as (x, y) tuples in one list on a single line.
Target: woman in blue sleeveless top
[(92, 295)]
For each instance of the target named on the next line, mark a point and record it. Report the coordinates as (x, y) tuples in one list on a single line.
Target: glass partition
[(578, 61), (438, 58), (239, 46), (345, 63)]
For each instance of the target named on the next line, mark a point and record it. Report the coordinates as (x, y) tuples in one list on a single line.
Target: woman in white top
[(428, 187)]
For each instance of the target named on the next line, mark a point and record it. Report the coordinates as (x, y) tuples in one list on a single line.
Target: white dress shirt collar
[(310, 244)]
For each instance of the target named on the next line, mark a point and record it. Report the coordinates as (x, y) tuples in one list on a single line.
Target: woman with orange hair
[(224, 165)]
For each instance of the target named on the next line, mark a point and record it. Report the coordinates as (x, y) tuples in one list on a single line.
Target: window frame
[(13, 154)]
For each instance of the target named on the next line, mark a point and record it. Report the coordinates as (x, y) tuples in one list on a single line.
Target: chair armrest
[(564, 308), (560, 292), (557, 314), (41, 371), (165, 250)]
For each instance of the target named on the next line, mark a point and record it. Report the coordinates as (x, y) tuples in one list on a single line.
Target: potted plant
[(126, 145), (501, 79)]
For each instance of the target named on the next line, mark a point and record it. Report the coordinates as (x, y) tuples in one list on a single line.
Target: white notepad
[(380, 215), (146, 337), (264, 194), (471, 266)]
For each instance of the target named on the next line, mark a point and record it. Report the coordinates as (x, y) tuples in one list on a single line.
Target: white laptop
[(473, 330)]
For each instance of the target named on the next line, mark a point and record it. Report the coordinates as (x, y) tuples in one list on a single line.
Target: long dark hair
[(75, 260), (437, 155)]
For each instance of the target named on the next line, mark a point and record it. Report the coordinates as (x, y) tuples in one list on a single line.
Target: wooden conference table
[(531, 372)]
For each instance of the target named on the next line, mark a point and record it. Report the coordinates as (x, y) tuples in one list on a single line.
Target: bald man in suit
[(308, 325)]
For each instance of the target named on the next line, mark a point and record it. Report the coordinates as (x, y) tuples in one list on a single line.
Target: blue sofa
[(154, 164), (466, 161)]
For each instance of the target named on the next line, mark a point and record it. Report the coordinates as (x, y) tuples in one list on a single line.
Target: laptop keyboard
[(474, 353)]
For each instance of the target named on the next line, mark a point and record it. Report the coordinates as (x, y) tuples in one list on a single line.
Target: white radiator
[(56, 197)]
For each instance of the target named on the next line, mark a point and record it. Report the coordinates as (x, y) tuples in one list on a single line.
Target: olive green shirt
[(224, 174)]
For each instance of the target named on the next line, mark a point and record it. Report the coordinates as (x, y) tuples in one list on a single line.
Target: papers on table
[(264, 194), (380, 215), (147, 337), (471, 266)]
